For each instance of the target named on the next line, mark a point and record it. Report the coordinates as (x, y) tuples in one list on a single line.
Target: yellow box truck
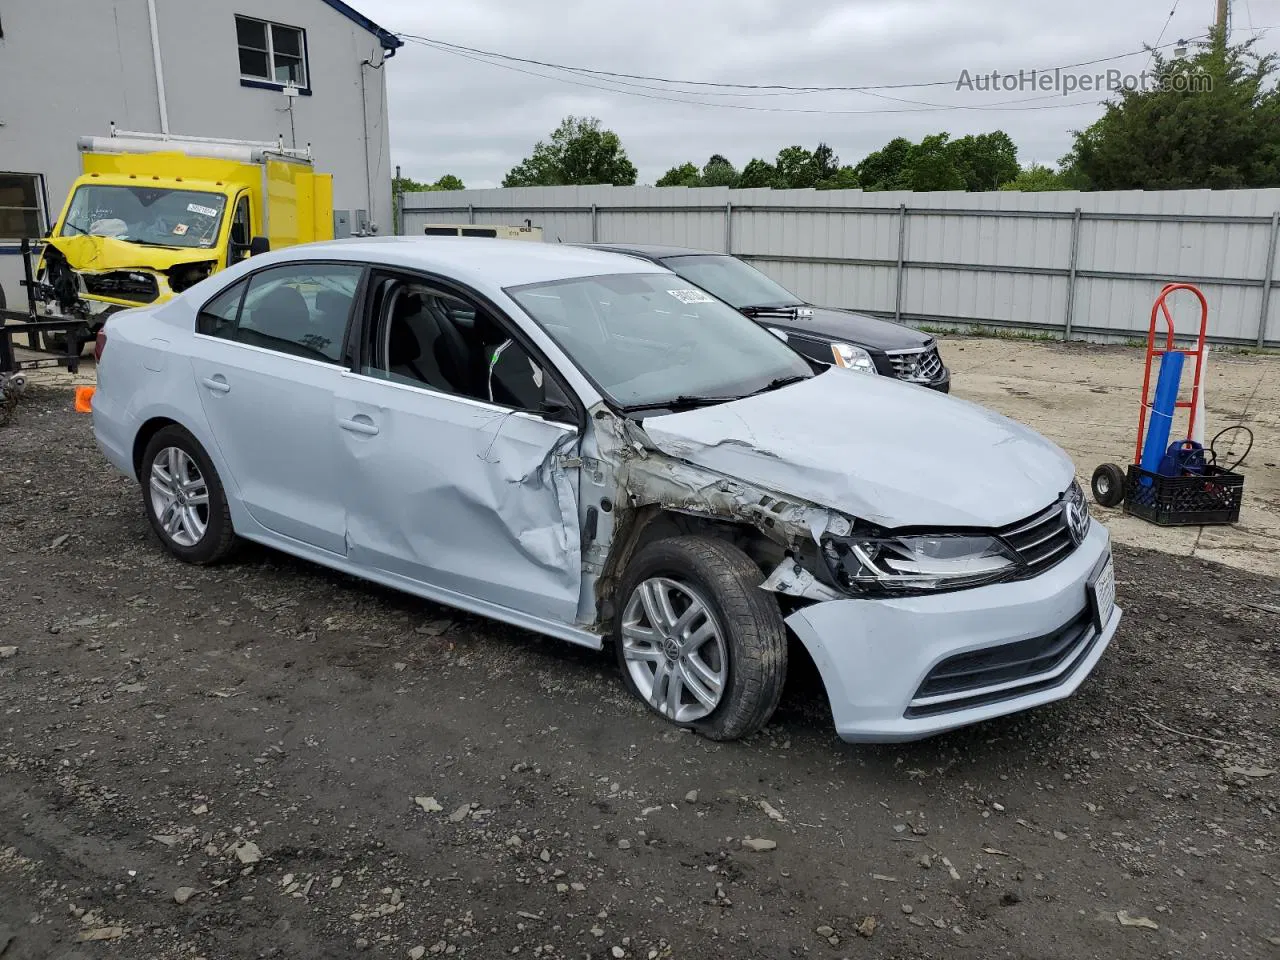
[(152, 215)]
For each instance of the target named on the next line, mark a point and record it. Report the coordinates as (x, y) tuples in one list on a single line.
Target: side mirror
[(259, 245)]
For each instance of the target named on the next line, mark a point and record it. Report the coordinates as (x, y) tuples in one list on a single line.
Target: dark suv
[(821, 333)]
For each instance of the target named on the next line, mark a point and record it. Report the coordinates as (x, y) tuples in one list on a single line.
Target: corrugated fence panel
[(988, 258)]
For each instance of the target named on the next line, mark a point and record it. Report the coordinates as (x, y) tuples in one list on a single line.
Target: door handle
[(218, 384), (360, 424)]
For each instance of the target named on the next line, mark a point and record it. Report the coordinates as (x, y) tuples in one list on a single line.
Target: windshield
[(733, 281), (648, 339), (154, 216)]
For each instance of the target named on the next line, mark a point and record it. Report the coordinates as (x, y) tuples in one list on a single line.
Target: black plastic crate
[(1210, 497)]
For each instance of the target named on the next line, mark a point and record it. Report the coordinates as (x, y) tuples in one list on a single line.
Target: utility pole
[(1224, 7)]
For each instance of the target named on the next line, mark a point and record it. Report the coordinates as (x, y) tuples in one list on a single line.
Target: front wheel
[(184, 499), (698, 640)]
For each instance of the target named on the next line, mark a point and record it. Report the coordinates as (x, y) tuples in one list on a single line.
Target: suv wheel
[(698, 640)]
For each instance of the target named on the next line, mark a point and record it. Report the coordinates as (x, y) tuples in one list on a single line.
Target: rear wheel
[(1108, 485), (698, 640), (184, 499), (57, 342)]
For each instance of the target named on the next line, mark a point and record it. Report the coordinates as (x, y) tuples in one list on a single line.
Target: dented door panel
[(461, 495)]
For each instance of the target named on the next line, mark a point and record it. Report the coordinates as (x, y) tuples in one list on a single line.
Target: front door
[(269, 364), (454, 476)]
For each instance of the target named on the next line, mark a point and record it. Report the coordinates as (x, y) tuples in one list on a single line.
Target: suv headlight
[(852, 358), (925, 563)]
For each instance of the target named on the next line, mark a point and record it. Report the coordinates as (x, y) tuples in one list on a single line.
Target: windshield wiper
[(771, 308), (778, 384), (675, 404), (151, 243)]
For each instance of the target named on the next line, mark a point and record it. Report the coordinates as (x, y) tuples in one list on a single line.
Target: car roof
[(652, 251), (480, 260)]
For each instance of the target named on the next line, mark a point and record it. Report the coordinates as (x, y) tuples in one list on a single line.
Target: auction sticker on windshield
[(203, 211), (692, 296)]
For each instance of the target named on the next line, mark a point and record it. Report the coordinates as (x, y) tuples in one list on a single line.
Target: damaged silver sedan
[(581, 444)]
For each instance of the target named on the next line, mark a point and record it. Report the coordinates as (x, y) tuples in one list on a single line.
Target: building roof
[(388, 39), (482, 262), (652, 251)]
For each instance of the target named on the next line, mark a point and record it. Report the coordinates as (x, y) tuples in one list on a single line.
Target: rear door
[(270, 358)]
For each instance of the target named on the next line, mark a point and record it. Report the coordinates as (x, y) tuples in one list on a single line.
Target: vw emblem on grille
[(1077, 520)]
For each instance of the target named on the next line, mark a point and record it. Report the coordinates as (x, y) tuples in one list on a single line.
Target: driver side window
[(421, 336), (241, 231)]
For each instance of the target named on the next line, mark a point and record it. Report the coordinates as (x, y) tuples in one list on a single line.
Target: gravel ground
[(266, 759)]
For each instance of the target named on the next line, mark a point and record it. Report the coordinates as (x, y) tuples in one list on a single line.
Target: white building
[(204, 68)]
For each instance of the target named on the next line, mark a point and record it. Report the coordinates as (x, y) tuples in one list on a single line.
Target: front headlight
[(917, 564), (852, 358)]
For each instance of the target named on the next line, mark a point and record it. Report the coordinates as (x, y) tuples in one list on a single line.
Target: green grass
[(996, 333)]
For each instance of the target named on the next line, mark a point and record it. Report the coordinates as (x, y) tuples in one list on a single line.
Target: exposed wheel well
[(145, 433), (651, 523)]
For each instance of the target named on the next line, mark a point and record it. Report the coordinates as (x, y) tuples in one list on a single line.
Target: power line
[(613, 75), (498, 61), (926, 106), (1166, 24)]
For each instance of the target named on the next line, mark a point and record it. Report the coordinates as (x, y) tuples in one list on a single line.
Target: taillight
[(99, 345)]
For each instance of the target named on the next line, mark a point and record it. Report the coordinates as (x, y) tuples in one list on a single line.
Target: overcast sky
[(454, 115)]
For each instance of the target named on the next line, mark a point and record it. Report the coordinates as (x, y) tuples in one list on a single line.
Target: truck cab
[(150, 217)]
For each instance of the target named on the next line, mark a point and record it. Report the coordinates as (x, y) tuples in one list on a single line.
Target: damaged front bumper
[(907, 668)]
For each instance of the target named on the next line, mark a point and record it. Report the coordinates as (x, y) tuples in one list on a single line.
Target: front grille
[(122, 285), (916, 366), (1042, 541), (1007, 671)]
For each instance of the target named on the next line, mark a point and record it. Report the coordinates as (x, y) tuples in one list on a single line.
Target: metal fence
[(1075, 265)]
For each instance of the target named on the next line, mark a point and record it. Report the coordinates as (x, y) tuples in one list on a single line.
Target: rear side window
[(218, 317), (301, 309)]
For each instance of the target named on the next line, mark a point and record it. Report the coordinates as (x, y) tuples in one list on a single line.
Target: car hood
[(841, 325), (92, 254), (886, 452)]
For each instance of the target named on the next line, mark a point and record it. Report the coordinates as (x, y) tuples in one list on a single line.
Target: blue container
[(1163, 406)]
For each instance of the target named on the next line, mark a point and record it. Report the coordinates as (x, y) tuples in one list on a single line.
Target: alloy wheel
[(674, 650), (179, 496)]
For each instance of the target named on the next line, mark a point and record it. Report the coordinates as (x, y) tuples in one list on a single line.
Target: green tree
[(846, 178), (1211, 120), (1037, 178), (884, 168), (796, 168), (449, 182), (758, 173), (986, 161), (719, 172), (578, 152), (825, 163), (685, 175)]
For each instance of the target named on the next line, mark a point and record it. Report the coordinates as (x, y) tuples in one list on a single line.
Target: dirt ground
[(317, 767), (1085, 397)]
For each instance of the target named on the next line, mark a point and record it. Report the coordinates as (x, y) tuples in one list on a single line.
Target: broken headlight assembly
[(913, 564), (186, 275)]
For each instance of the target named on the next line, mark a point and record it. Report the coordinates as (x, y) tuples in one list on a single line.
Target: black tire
[(1108, 485), (57, 343), (219, 538), (749, 618)]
